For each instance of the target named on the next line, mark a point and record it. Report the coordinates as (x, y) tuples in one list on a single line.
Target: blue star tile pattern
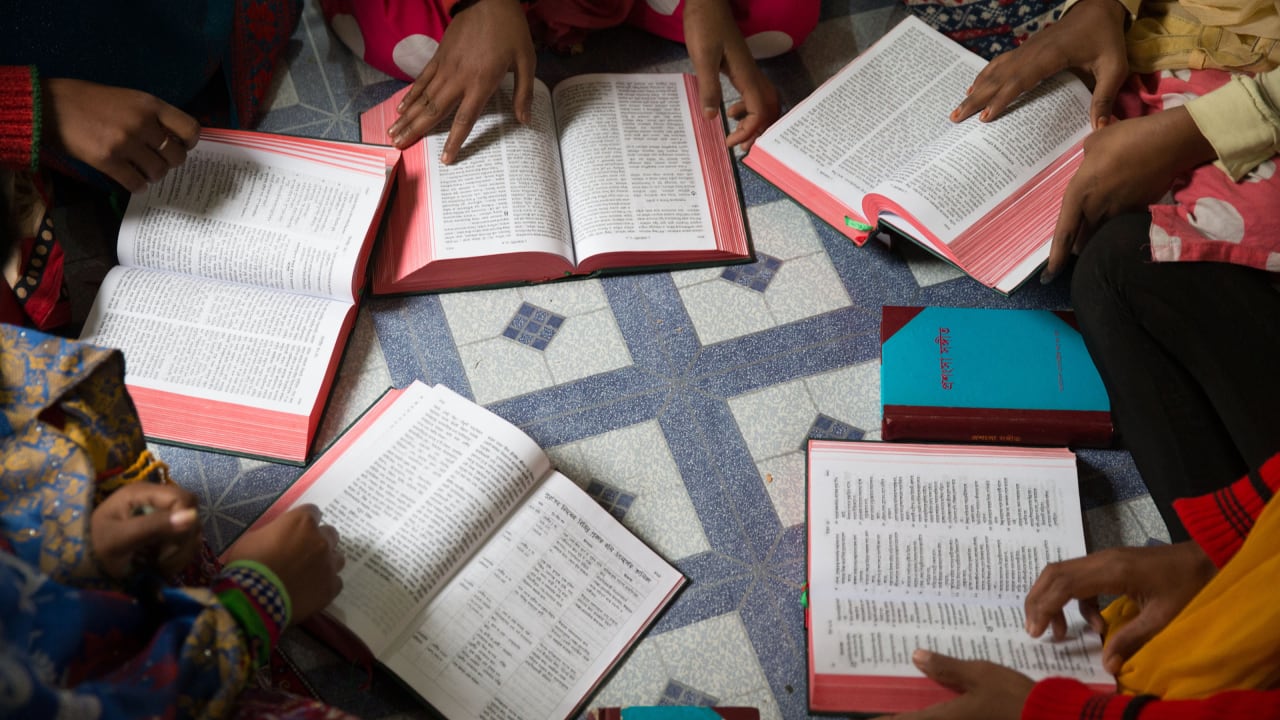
[(756, 275), (533, 326), (680, 694), (616, 501), (828, 428)]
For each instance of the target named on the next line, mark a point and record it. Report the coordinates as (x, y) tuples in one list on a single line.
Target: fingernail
[(183, 519), (400, 107), (709, 112), (446, 157), (1047, 277), (920, 656), (985, 116), (1111, 664)]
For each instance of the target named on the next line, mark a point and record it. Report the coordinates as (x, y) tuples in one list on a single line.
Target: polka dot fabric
[(1208, 217), (399, 37)]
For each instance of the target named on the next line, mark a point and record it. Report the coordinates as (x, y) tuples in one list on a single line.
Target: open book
[(490, 584), (874, 146), (613, 173), (935, 546), (237, 286)]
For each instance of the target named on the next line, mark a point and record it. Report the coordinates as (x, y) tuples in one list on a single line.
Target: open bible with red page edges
[(488, 583), (239, 278), (613, 173), (874, 146), (935, 546)]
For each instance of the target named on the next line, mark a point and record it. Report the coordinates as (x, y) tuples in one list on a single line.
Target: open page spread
[(490, 584), (632, 169), (538, 615), (936, 546), (218, 341), (503, 193), (412, 498), (881, 126), (285, 217)]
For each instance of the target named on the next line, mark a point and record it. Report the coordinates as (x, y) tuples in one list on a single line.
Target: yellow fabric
[(1226, 638)]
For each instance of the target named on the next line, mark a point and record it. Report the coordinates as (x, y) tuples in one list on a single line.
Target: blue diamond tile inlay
[(533, 326), (756, 275), (828, 428), (680, 694), (616, 501)]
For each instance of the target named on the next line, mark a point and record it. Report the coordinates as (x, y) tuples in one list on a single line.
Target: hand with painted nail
[(1159, 581), (145, 526), (715, 46), (1088, 38), (303, 552), (987, 691), (132, 137), (1127, 165), (482, 43)]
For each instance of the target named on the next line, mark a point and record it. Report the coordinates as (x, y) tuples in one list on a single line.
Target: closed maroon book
[(675, 712), (1008, 376)]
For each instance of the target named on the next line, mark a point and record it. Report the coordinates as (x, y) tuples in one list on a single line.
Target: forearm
[(1064, 699), (1241, 121), (19, 117)]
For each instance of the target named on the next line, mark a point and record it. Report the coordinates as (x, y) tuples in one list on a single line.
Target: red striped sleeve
[(1221, 520)]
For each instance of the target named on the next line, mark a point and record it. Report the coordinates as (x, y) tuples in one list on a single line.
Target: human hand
[(130, 136), (987, 691), (716, 45), (1159, 580), (145, 525), (303, 553), (481, 44), (1089, 37), (1127, 165)]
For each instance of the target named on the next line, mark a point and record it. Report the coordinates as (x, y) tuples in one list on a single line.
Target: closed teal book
[(983, 375)]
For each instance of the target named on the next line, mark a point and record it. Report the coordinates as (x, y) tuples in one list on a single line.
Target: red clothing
[(19, 128), (1219, 522)]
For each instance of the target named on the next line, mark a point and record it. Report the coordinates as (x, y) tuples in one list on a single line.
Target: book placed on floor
[(934, 546), (989, 375), (874, 146), (490, 584), (238, 283), (674, 712), (613, 173)]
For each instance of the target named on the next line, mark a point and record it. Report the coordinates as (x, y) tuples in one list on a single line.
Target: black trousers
[(1190, 355)]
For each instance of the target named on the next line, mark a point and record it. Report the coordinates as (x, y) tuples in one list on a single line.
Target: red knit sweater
[(19, 117), (1219, 522)]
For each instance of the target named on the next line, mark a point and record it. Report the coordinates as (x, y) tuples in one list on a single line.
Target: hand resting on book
[(485, 40), (302, 552), (1155, 584)]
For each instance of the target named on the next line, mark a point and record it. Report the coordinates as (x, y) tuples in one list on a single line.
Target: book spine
[(1076, 428)]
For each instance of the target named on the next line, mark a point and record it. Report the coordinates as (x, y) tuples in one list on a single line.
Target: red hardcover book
[(935, 546), (1000, 376), (674, 712), (239, 280)]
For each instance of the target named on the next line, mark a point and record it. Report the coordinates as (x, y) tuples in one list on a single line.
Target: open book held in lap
[(490, 584), (873, 146), (613, 173), (239, 278)]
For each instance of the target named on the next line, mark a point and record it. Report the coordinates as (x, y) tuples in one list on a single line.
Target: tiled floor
[(680, 400)]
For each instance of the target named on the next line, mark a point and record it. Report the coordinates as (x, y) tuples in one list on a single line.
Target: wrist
[(258, 601)]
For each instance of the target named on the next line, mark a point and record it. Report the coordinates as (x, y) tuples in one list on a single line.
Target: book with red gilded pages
[(873, 146), (239, 278), (1010, 376), (674, 712), (612, 174), (935, 546), (488, 583)]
